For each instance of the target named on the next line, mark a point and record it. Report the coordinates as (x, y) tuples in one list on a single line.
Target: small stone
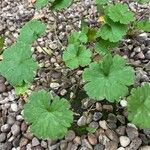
[(97, 116), (112, 118), (121, 148), (35, 142), (147, 132), (92, 139), (10, 120), (132, 132), (2, 79), (121, 130), (44, 144), (123, 103), (14, 107), (103, 124), (55, 86), (23, 142), (63, 145), (86, 144), (56, 75), (2, 87), (24, 127), (89, 118), (70, 135), (5, 128), (111, 145), (124, 141), (140, 55), (99, 147), (112, 135), (103, 139), (2, 137), (81, 121), (16, 141), (52, 46), (11, 97), (121, 119), (144, 148), (94, 125), (19, 118), (135, 144), (137, 49), (98, 106), (108, 107), (77, 140), (86, 103), (63, 92), (15, 129)]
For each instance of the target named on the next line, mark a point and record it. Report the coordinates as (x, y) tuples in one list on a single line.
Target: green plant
[(49, 117), (18, 66), (104, 76), (76, 55), (55, 4), (138, 106)]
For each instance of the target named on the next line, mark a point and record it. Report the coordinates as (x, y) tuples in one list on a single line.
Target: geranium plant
[(50, 117)]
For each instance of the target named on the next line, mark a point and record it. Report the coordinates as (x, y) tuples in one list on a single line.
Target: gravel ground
[(113, 131)]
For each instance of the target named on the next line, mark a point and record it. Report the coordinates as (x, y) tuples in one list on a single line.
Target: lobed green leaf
[(104, 76), (49, 117), (139, 106)]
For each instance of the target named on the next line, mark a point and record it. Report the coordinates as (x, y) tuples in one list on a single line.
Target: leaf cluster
[(76, 54)]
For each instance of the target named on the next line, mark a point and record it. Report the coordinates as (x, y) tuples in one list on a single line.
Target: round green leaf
[(76, 55), (139, 106), (104, 76), (49, 117), (120, 13), (31, 31), (17, 65), (113, 32)]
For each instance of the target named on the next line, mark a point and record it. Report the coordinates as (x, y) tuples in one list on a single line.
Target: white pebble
[(14, 107), (124, 141), (121, 148), (54, 86), (123, 103)]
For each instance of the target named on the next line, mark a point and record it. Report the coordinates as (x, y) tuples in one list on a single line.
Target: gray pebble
[(147, 132), (81, 121), (94, 124), (15, 129), (99, 147), (97, 116), (10, 120), (70, 135), (112, 135), (2, 87), (2, 137), (135, 144), (5, 128), (35, 142), (132, 132)]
